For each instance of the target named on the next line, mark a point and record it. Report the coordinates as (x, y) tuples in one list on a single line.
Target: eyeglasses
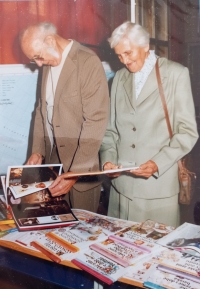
[(38, 57)]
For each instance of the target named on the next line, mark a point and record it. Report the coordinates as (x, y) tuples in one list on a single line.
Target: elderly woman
[(137, 132)]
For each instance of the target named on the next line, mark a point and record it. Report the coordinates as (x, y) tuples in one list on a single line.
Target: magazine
[(25, 180), (122, 253), (99, 266), (186, 239), (78, 237), (108, 225), (40, 211), (150, 273), (51, 249), (96, 173), (143, 236)]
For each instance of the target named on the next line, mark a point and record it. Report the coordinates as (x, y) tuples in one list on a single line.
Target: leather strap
[(160, 87)]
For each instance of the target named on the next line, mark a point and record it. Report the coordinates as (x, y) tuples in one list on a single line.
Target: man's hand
[(111, 166), (61, 185), (35, 159), (145, 170)]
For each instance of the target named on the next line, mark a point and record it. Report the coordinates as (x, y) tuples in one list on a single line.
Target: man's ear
[(50, 41)]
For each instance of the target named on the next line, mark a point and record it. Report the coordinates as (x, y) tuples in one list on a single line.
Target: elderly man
[(137, 132), (72, 114)]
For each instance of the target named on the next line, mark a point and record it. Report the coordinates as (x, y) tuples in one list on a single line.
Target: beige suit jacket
[(80, 115), (137, 131)]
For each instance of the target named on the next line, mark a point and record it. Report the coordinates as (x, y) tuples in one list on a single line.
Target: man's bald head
[(32, 37)]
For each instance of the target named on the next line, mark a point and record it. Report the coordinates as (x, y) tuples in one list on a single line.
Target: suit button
[(133, 146), (134, 129)]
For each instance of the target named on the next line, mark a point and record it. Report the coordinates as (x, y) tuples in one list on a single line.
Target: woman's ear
[(146, 48)]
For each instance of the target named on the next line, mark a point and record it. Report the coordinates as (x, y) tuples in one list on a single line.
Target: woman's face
[(132, 56)]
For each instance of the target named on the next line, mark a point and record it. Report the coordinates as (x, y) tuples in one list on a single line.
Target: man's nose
[(39, 62)]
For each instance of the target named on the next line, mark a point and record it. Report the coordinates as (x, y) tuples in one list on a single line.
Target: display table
[(40, 273)]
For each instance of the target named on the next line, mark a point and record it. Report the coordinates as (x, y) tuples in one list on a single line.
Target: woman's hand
[(111, 166), (145, 170)]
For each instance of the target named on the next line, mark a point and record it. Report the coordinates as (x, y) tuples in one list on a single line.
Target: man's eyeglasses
[(38, 57)]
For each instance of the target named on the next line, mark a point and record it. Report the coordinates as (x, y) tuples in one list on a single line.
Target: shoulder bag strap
[(160, 87)]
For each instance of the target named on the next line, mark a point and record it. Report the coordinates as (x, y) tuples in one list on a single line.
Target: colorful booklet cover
[(186, 239), (143, 236), (25, 180), (99, 266), (40, 211)]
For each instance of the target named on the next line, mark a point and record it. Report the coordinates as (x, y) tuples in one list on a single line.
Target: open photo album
[(30, 202)]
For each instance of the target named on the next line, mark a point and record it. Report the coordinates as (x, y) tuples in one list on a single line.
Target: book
[(40, 211), (185, 238), (99, 266), (25, 180)]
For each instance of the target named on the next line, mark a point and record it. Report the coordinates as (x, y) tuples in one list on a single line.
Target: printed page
[(25, 180)]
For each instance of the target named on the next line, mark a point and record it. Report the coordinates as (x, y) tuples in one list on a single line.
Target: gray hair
[(37, 33), (135, 32)]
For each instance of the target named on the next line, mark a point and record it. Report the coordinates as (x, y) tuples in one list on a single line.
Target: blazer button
[(133, 146), (134, 129)]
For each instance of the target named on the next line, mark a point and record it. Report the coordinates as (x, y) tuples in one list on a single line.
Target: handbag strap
[(160, 87)]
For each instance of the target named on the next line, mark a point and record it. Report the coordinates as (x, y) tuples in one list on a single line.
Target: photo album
[(30, 202)]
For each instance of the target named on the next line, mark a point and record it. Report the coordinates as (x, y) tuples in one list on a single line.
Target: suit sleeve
[(184, 125), (108, 150), (38, 144), (95, 103)]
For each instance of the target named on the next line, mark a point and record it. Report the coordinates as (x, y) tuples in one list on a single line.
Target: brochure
[(25, 180)]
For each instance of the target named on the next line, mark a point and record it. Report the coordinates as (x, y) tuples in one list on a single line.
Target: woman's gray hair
[(135, 32)]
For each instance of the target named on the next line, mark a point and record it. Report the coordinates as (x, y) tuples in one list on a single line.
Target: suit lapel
[(45, 74), (69, 65), (128, 80), (151, 85)]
